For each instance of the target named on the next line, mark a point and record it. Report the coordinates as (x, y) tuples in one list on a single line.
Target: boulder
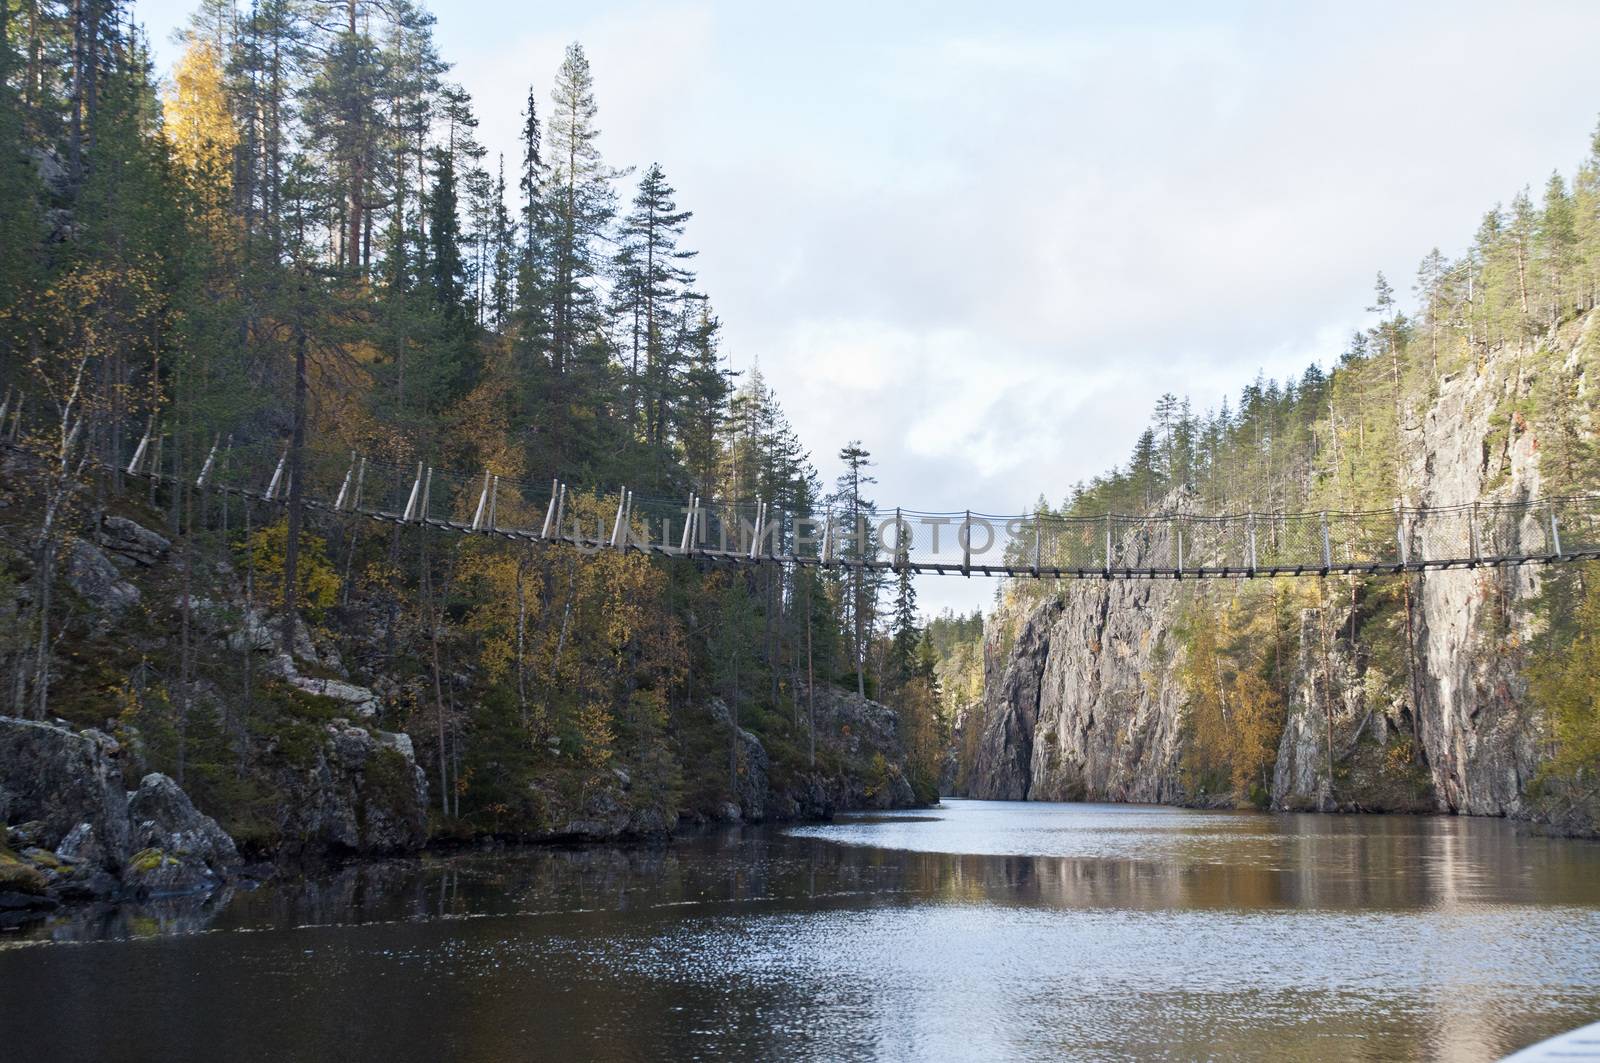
[(157, 873), (752, 771), (61, 779), (362, 792), (53, 173), (96, 580), (359, 700), (258, 631), (133, 542), (19, 875), (602, 817), (397, 741), (162, 817), (81, 846)]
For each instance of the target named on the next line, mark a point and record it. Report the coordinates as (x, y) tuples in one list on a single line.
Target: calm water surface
[(977, 930)]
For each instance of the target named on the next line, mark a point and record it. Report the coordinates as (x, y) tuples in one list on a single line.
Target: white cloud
[(985, 240)]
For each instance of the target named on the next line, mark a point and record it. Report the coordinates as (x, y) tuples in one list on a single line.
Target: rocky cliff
[(1084, 695)]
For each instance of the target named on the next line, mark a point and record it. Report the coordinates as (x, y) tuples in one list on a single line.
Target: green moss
[(46, 859), (147, 860), (387, 783), (18, 876)]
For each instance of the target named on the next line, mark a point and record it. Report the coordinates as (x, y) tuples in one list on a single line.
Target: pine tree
[(502, 243), (853, 514), (651, 283), (905, 635), (579, 199)]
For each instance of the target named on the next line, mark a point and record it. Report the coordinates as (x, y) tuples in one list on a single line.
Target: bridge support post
[(1108, 547), (1038, 542), (416, 492), (899, 542), (622, 510), (483, 503), (1177, 548), (1472, 535), (1250, 524), (1327, 546), (361, 479), (1400, 534), (494, 498), (550, 510), (138, 451), (1555, 532), (688, 526), (616, 522), (826, 554), (561, 507), (966, 544), (211, 459), (755, 532), (344, 488), (277, 475)]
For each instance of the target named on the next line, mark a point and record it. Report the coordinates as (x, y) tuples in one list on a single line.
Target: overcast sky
[(983, 238)]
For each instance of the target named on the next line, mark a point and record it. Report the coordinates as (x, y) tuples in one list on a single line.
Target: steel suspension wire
[(1036, 545)]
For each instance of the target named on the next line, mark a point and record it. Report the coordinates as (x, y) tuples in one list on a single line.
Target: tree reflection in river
[(977, 930)]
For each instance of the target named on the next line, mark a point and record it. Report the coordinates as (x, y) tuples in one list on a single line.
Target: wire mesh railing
[(1044, 545)]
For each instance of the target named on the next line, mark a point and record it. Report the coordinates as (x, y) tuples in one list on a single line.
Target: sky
[(984, 238)]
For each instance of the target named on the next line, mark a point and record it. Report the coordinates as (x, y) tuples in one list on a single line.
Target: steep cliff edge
[(1399, 693)]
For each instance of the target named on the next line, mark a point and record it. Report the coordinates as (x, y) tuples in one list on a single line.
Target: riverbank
[(78, 830)]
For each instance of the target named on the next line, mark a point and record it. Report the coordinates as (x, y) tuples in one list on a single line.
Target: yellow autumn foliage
[(1235, 717), (199, 127)]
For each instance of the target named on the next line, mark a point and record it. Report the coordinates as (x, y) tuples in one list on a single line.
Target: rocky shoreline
[(74, 835)]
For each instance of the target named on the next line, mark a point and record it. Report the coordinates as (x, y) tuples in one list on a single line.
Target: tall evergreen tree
[(651, 283), (854, 513)]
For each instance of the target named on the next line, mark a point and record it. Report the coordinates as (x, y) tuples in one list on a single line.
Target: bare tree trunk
[(291, 550), (811, 685), (522, 641), (438, 687)]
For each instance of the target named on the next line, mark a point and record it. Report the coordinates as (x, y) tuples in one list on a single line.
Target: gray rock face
[(865, 735), (81, 845), (358, 700), (859, 737), (1474, 720), (1003, 769), (258, 631), (85, 836), (752, 771), (62, 778), (162, 817), (133, 542), (96, 580), (362, 794), (1087, 703)]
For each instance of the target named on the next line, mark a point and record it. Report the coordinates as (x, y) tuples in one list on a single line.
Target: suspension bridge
[(1174, 545)]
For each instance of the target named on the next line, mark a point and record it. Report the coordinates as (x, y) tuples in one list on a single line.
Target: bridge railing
[(397, 487)]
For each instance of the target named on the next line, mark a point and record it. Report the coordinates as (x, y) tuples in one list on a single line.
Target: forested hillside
[(1380, 691), (298, 240)]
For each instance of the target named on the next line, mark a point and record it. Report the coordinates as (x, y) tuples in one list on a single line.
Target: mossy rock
[(146, 861), (18, 876)]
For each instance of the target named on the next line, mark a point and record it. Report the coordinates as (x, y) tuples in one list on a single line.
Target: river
[(975, 930)]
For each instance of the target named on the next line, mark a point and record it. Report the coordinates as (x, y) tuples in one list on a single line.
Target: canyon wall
[(1084, 697)]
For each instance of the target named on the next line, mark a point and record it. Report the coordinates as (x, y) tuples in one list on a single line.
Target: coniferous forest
[(299, 239), (1475, 383), (294, 774)]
